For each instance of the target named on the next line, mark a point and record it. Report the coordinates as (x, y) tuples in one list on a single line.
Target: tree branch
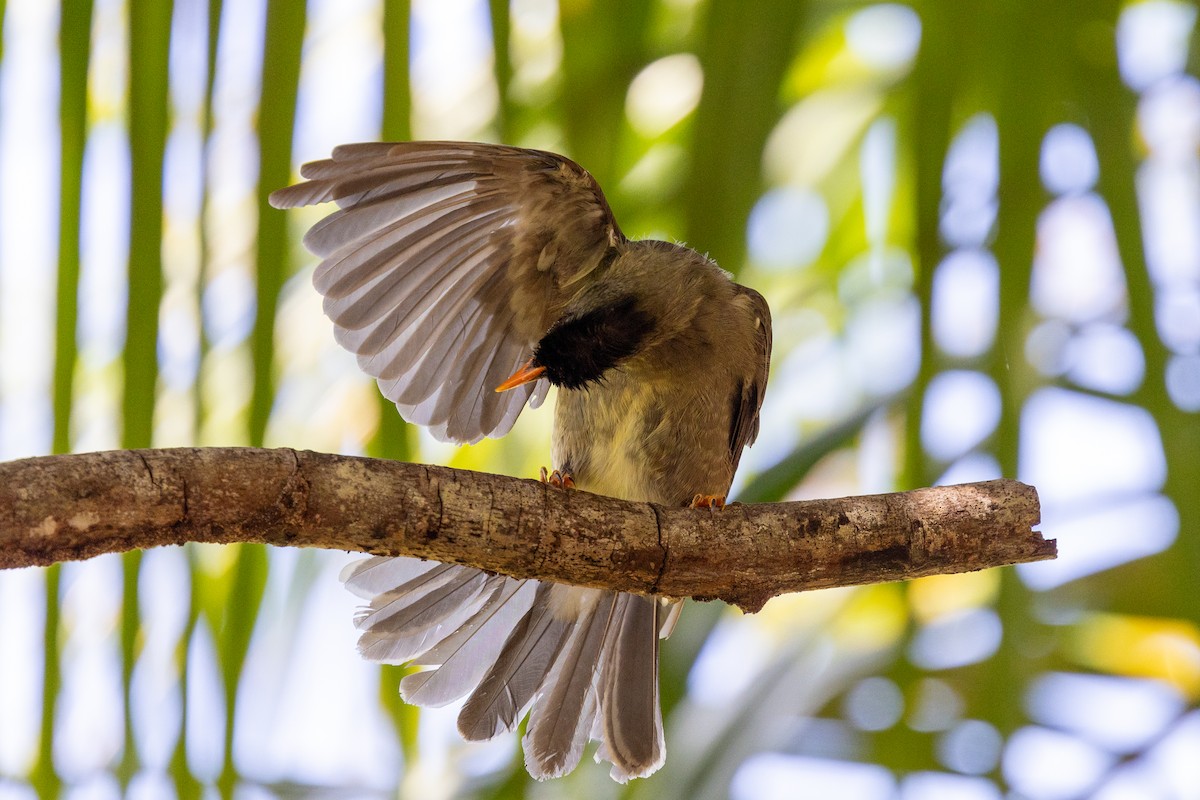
[(61, 508)]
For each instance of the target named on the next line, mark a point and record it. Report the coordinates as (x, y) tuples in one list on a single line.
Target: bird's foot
[(559, 480), (709, 501)]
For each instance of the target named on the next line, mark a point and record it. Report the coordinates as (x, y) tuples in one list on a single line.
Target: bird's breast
[(662, 442)]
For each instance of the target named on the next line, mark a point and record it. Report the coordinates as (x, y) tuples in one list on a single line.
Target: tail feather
[(511, 600), (629, 705), (413, 629), (394, 601), (467, 654), (668, 615), (370, 577), (561, 719), (513, 680)]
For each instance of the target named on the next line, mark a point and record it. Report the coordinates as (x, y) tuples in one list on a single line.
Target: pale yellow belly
[(643, 442)]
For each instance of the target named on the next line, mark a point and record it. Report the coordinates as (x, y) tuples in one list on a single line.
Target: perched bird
[(468, 279)]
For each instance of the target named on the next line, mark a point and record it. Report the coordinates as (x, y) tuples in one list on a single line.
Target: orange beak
[(526, 374)]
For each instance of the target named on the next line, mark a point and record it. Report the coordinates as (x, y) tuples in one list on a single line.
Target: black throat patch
[(578, 350)]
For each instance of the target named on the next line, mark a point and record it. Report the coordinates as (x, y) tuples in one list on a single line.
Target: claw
[(709, 501), (559, 480)]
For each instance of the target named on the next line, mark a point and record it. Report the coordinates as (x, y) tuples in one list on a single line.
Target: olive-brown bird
[(457, 270)]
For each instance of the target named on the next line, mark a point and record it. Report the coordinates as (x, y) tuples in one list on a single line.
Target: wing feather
[(445, 264), (434, 200), (748, 394)]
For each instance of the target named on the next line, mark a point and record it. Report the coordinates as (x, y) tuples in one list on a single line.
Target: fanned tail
[(583, 662)]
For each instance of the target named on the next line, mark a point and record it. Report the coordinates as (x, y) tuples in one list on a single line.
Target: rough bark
[(62, 508)]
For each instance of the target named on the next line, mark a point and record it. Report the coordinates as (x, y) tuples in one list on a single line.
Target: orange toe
[(559, 480), (709, 501)]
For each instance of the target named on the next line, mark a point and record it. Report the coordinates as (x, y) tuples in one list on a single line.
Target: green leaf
[(74, 56), (149, 42), (247, 584), (744, 53), (44, 776), (276, 119), (397, 90)]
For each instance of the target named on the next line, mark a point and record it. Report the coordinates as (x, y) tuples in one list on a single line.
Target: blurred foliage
[(779, 98)]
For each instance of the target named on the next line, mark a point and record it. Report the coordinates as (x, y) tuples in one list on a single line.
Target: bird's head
[(585, 343)]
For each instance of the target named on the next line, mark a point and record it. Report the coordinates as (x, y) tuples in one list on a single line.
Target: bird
[(468, 279)]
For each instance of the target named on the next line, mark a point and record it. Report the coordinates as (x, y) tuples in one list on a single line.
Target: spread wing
[(748, 395), (446, 263)]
